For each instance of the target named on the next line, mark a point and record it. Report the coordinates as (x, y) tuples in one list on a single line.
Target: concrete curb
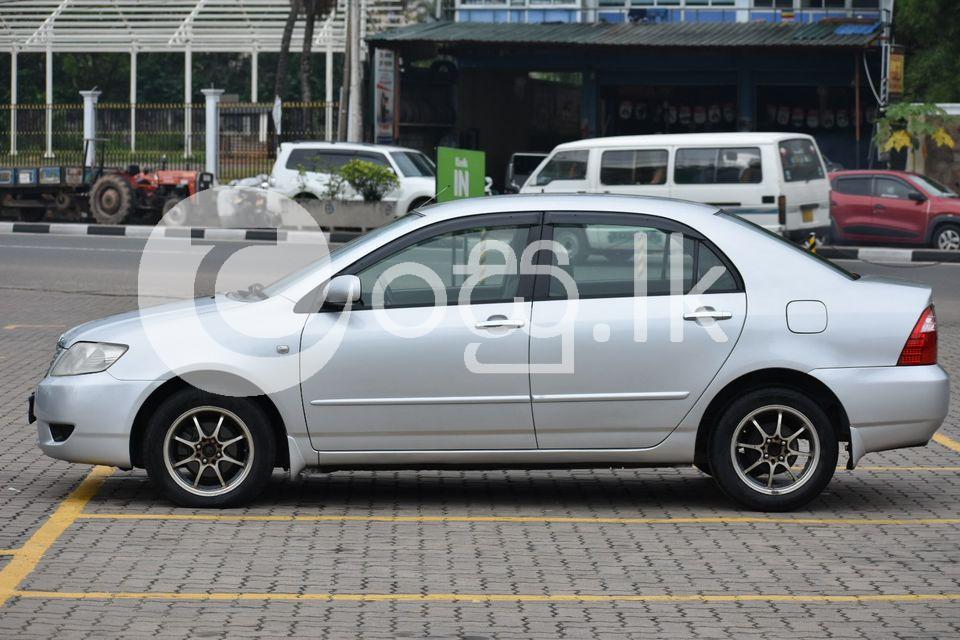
[(883, 254), (298, 235)]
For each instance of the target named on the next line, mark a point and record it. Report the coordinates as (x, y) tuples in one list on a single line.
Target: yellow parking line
[(8, 552), (491, 597), (947, 441), (215, 517), (11, 327), (26, 558)]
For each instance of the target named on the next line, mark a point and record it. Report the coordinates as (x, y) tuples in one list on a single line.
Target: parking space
[(600, 553)]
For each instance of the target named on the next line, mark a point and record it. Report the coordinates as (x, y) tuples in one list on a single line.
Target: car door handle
[(704, 313), (879, 207), (497, 322)]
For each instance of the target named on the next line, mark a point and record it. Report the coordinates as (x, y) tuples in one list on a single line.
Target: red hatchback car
[(893, 207)]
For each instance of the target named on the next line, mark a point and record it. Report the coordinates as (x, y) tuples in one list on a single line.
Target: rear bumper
[(889, 407)]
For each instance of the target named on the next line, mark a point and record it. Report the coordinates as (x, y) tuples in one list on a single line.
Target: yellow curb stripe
[(488, 597), (947, 441), (8, 552), (894, 468), (515, 519), (27, 557)]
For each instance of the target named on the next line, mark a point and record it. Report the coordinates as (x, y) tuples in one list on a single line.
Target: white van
[(777, 180)]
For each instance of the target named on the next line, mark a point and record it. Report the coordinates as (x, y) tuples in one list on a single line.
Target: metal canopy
[(174, 25)]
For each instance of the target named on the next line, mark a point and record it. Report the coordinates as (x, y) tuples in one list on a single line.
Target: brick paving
[(527, 559)]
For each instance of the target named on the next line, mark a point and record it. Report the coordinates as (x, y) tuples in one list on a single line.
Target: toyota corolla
[(463, 336)]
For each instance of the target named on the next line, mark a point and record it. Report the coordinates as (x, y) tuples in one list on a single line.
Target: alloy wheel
[(208, 451), (949, 240), (775, 450)]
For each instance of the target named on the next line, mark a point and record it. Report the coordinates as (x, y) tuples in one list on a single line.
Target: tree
[(930, 30), (907, 126), (280, 79)]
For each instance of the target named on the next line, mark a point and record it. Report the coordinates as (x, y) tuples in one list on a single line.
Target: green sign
[(460, 174)]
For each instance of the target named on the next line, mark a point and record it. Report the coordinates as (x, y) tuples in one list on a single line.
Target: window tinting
[(891, 188), (323, 160), (610, 261), (442, 254), (800, 161), (413, 164), (565, 165), (633, 167), (853, 186), (730, 165)]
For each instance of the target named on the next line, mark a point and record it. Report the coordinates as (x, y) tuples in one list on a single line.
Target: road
[(600, 553)]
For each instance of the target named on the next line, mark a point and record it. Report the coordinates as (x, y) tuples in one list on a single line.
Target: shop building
[(505, 78)]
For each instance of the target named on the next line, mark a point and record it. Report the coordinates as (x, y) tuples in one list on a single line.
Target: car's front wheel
[(773, 450), (947, 237), (209, 451)]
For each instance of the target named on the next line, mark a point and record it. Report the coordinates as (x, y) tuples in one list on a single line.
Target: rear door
[(804, 185), (732, 178), (614, 362), (852, 206), (640, 172)]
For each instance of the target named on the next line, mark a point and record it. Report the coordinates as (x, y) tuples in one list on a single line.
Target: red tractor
[(110, 196), (117, 196)]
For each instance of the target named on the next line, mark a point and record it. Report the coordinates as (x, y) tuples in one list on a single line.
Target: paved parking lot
[(512, 554)]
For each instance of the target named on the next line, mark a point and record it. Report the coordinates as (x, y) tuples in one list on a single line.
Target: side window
[(732, 165), (405, 286), (603, 262), (633, 167), (312, 160), (853, 186), (565, 165), (890, 188)]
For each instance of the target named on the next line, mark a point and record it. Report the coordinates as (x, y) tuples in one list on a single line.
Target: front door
[(634, 354), (565, 172), (897, 218), (434, 355)]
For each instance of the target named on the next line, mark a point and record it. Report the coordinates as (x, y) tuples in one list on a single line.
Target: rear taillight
[(921, 347), (782, 210)]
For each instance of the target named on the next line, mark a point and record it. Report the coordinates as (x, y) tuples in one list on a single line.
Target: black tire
[(112, 199), (946, 237), (574, 241), (703, 467), (176, 219), (32, 214), (758, 490), (256, 449)]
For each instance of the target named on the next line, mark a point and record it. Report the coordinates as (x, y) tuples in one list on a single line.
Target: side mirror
[(342, 291), (916, 196)]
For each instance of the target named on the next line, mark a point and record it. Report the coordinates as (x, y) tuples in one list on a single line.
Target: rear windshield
[(414, 164), (795, 247), (326, 160), (801, 161)]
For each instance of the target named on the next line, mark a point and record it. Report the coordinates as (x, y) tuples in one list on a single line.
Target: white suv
[(302, 171)]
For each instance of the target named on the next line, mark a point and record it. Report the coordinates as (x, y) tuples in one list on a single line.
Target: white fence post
[(49, 86), (212, 130), (13, 102), (90, 125)]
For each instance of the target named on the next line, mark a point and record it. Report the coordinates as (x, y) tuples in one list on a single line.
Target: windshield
[(770, 234), (281, 284), (413, 164), (934, 188)]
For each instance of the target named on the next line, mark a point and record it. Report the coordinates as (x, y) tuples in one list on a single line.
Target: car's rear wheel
[(773, 450), (209, 451)]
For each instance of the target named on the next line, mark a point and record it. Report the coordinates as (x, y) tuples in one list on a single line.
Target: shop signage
[(460, 173), (385, 95)]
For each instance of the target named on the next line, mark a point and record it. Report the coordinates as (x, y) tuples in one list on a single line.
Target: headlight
[(87, 357)]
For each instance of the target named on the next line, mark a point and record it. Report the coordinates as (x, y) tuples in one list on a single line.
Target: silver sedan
[(513, 332)]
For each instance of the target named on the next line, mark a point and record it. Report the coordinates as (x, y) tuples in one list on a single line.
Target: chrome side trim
[(600, 397), (426, 400)]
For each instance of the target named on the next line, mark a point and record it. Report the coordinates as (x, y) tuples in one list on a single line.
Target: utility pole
[(345, 80), (355, 111)]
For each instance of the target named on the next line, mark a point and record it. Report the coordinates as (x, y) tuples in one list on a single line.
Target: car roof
[(680, 210), (349, 146), (681, 139), (871, 172)]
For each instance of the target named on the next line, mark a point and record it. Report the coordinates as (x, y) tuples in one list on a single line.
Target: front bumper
[(889, 407), (101, 410)]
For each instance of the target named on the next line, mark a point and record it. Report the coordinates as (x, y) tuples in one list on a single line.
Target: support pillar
[(328, 92), (49, 73), (746, 101), (255, 95), (133, 100), (13, 102), (187, 103), (588, 105), (90, 126), (211, 130)]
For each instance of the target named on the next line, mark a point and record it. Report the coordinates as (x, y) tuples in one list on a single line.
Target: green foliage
[(916, 120), (930, 29), (370, 180)]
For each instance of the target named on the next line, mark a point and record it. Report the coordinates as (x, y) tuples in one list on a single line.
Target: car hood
[(113, 328)]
